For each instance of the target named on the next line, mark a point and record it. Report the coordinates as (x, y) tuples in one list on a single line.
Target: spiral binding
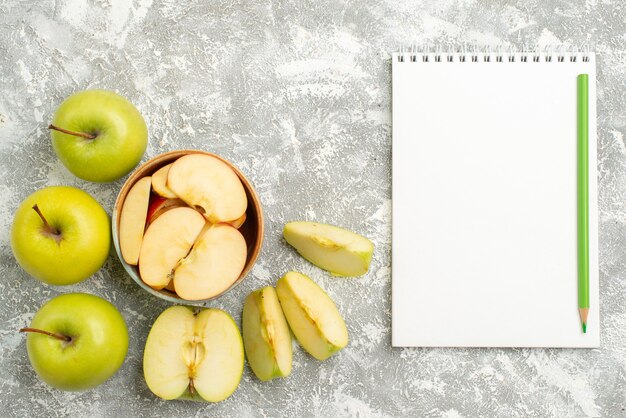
[(493, 54)]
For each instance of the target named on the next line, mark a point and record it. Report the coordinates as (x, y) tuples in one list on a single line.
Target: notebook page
[(484, 204)]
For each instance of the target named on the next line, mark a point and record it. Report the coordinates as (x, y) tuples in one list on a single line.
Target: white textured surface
[(297, 94)]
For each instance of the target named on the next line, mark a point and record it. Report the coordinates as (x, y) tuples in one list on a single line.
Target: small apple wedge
[(312, 315), (133, 220), (331, 248), (159, 183), (167, 240), (159, 205), (213, 264), (196, 356), (208, 185), (266, 335)]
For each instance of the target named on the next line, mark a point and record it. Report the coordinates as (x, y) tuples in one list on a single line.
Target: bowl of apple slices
[(187, 226)]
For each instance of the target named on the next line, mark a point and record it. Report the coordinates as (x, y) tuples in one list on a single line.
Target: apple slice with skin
[(266, 335), (168, 240), (159, 182), (159, 205), (195, 356), (312, 315), (213, 264), (331, 248), (133, 220), (209, 185)]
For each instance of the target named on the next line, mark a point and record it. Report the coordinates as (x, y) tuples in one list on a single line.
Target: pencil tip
[(584, 328)]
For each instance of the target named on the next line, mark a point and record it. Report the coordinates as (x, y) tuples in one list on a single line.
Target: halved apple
[(133, 220), (159, 182), (213, 264), (266, 335), (331, 248), (209, 185), (312, 315), (160, 205), (193, 355), (167, 240)]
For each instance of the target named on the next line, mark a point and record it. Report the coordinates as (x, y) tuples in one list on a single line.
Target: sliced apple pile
[(331, 248), (180, 227), (311, 314), (266, 335), (193, 355)]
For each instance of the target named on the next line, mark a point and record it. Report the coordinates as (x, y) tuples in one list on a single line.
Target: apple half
[(312, 315), (266, 335), (159, 183), (193, 355), (215, 262), (331, 248), (208, 185), (168, 240), (133, 220)]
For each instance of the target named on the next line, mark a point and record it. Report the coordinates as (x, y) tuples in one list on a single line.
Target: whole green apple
[(60, 235), (76, 341), (98, 135)]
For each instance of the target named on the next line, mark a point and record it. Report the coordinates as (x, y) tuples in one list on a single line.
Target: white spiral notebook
[(484, 200)]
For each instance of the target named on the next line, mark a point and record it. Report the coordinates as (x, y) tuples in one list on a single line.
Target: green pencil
[(583, 198)]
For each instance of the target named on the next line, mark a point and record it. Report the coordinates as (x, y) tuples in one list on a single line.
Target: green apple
[(61, 235), (98, 135), (195, 355), (76, 341), (266, 335), (331, 248), (312, 315)]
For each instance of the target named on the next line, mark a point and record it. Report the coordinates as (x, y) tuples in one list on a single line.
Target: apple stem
[(51, 334), (49, 229), (192, 389), (65, 131)]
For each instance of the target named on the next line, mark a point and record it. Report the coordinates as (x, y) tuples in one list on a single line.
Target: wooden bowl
[(252, 229)]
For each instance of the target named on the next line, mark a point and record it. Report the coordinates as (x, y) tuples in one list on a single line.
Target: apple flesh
[(98, 135), (193, 355), (65, 240), (76, 341), (214, 263), (312, 315), (167, 240), (209, 185), (159, 182), (133, 220), (266, 335), (331, 248)]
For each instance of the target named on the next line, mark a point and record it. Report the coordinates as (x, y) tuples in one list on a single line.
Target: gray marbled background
[(297, 94)]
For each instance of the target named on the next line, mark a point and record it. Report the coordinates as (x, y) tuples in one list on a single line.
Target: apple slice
[(193, 356), (159, 205), (312, 315), (331, 248), (266, 335), (159, 182), (167, 240), (213, 264), (209, 185), (238, 222), (133, 220)]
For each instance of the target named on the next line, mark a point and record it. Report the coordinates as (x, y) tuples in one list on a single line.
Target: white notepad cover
[(484, 201)]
